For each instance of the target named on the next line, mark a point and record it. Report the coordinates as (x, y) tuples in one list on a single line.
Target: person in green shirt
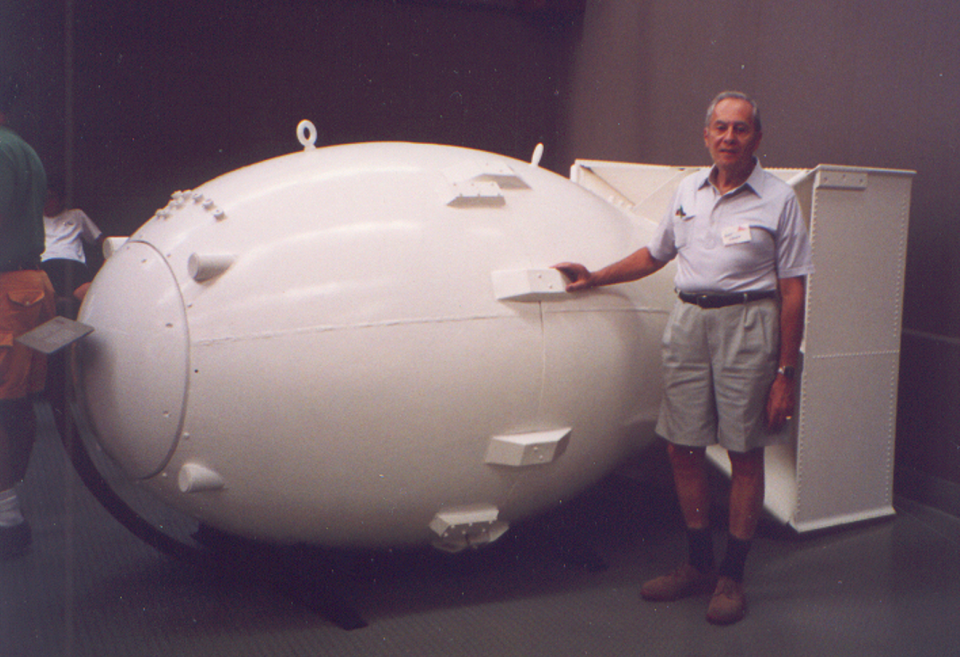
[(26, 301)]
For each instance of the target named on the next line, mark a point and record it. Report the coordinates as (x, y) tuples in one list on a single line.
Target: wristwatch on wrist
[(788, 371)]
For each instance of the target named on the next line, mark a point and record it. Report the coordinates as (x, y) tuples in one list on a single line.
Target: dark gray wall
[(168, 95)]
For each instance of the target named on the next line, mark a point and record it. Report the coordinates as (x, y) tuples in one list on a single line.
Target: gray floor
[(564, 584)]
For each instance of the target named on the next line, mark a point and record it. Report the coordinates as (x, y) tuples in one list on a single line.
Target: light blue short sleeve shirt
[(744, 240)]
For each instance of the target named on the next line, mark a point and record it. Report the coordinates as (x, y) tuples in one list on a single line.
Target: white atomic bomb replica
[(364, 345)]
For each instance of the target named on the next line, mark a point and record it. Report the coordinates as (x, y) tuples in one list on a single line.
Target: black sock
[(735, 559), (700, 542)]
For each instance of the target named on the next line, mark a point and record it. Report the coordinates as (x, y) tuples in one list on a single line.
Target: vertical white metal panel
[(859, 243), (846, 439), (847, 421)]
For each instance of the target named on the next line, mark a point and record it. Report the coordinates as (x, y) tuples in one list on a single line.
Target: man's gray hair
[(724, 95)]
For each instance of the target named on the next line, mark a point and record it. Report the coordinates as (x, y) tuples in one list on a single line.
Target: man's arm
[(634, 267), (782, 399)]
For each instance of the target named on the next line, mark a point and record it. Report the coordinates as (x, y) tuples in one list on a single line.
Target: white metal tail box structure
[(838, 467)]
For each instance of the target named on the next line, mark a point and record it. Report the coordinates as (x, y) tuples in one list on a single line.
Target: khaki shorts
[(26, 301), (718, 367)]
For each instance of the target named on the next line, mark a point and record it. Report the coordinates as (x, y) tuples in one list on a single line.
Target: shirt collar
[(754, 181)]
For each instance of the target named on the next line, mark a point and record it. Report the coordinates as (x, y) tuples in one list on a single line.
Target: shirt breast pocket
[(682, 229)]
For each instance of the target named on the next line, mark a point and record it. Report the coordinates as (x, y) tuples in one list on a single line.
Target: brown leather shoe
[(683, 582), (728, 604)]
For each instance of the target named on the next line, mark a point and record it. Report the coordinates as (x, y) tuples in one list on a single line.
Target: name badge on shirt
[(736, 235)]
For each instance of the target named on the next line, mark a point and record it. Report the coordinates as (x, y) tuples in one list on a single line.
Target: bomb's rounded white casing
[(365, 345)]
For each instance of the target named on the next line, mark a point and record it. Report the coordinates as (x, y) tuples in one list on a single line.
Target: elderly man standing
[(26, 301), (732, 342)]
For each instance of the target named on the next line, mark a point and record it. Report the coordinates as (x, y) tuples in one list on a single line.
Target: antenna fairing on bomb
[(364, 345)]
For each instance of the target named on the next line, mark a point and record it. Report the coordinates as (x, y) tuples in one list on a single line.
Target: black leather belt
[(723, 300)]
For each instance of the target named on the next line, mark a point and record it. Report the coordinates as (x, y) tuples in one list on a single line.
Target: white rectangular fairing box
[(838, 467)]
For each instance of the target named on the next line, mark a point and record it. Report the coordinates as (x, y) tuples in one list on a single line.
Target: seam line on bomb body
[(397, 322)]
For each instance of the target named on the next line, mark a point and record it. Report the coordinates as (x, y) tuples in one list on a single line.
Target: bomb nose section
[(136, 359)]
